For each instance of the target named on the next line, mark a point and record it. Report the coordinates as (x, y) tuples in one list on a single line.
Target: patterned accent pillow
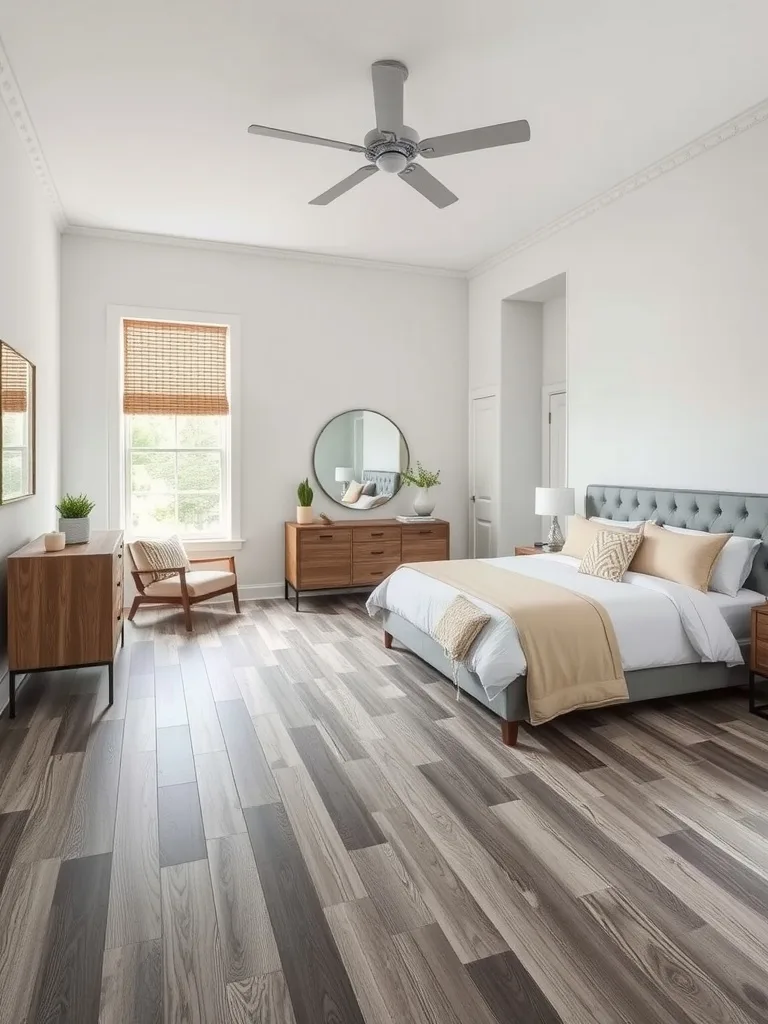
[(609, 554), (164, 554), (458, 627)]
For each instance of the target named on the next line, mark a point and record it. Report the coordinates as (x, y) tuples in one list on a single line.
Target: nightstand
[(531, 550), (758, 656)]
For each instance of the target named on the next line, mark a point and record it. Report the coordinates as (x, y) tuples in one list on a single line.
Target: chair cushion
[(149, 555), (199, 582)]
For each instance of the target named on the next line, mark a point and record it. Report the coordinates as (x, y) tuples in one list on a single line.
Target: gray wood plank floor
[(280, 821)]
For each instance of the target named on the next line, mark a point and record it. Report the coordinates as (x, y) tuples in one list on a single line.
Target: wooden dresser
[(65, 608), (352, 554)]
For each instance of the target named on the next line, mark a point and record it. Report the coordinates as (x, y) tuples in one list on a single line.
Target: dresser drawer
[(325, 559), (365, 534), (315, 542), (373, 571), (366, 551), (761, 627), (759, 656), (425, 543)]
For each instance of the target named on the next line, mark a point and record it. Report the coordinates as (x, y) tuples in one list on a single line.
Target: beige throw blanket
[(568, 639)]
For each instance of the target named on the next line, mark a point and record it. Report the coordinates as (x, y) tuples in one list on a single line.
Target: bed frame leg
[(509, 733), (387, 640)]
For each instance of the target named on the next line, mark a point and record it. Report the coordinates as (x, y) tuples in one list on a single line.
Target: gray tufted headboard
[(745, 515), (387, 482)]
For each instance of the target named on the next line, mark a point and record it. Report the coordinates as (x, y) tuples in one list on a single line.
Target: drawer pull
[(425, 531), (325, 536), (381, 534), (380, 552), (377, 574), (119, 616), (119, 554), (119, 583)]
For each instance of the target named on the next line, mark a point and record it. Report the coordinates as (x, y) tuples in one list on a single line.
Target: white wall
[(381, 444), (29, 321), (553, 341), (317, 338), (667, 326)]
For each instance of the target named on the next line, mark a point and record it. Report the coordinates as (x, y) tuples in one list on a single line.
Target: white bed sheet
[(737, 611), (657, 623)]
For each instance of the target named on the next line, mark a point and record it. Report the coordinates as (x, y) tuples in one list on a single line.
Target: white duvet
[(657, 623)]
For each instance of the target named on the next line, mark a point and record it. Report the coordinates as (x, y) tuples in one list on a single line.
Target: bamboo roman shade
[(174, 369), (14, 381)]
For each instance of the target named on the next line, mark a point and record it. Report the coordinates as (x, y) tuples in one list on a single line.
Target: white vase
[(423, 503), (76, 531), (304, 515)]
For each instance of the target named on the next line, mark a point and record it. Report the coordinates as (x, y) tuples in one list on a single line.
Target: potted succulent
[(423, 503), (305, 495), (74, 518)]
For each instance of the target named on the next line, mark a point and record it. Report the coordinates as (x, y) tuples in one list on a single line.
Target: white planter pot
[(304, 515), (423, 503), (76, 531)]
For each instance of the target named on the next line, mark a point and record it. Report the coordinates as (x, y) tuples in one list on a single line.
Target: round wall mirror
[(359, 459)]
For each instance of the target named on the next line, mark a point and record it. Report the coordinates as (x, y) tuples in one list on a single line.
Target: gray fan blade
[(388, 77), (313, 140), (435, 191), (478, 138), (344, 185)]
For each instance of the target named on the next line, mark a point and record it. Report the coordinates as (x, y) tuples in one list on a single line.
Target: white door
[(484, 439), (557, 439)]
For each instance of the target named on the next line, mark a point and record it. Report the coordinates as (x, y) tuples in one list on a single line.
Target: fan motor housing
[(378, 143)]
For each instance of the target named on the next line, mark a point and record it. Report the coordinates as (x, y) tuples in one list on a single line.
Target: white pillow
[(620, 524), (732, 565)]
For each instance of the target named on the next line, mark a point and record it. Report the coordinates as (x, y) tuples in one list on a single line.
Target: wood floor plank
[(68, 985), (139, 734), (264, 999), (25, 907), (180, 825), (348, 813), (370, 785), (253, 778), (622, 761), (392, 890), (170, 705), (175, 761), (634, 800), (742, 767), (333, 873), (75, 725), (468, 929), (19, 786), (510, 991), (435, 972), (220, 676), (11, 828), (219, 802), (131, 986), (317, 981), (142, 658), (134, 895), (201, 708), (342, 737), (193, 978), (286, 698), (92, 822), (254, 692), (408, 738), (247, 943), (49, 819), (279, 749)]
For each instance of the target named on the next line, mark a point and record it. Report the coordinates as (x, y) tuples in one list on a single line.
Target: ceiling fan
[(393, 147)]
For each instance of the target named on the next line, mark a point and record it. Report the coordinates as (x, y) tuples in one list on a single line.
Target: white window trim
[(116, 438)]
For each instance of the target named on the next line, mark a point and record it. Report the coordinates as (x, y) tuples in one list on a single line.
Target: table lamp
[(555, 501), (343, 476)]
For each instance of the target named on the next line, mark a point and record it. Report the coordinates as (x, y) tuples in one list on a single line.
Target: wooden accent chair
[(186, 588)]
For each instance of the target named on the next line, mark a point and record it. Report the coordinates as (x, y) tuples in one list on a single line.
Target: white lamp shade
[(344, 473), (555, 501)]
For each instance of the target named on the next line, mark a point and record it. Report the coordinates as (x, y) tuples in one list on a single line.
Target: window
[(176, 429), (17, 421)]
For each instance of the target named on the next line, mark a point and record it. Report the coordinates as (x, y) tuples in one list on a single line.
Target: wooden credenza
[(351, 554), (65, 608)]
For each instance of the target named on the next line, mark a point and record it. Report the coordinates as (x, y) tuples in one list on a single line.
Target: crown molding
[(17, 109), (265, 252), (729, 129)]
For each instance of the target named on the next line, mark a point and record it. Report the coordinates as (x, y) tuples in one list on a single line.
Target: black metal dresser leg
[(11, 694), (111, 670)]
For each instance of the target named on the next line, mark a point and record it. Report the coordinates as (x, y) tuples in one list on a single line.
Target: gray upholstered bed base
[(745, 515)]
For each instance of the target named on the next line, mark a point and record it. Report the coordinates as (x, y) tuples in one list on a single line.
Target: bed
[(386, 484), (692, 660)]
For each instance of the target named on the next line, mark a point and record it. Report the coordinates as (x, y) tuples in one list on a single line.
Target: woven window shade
[(174, 369), (14, 382)]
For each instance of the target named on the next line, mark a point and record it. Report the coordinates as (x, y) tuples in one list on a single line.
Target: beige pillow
[(678, 557), (352, 493), (458, 627), (160, 554), (583, 532), (610, 553)]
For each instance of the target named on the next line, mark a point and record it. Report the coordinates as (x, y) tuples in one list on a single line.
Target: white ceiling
[(142, 108)]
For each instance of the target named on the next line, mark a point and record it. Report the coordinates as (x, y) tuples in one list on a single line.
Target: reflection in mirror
[(359, 458), (17, 425)]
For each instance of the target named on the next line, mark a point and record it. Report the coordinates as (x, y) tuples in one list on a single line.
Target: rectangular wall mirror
[(17, 425)]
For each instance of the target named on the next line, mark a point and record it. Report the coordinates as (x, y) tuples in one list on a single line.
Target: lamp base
[(555, 540)]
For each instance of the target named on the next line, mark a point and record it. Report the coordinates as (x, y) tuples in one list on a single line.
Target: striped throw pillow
[(164, 554), (609, 554)]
